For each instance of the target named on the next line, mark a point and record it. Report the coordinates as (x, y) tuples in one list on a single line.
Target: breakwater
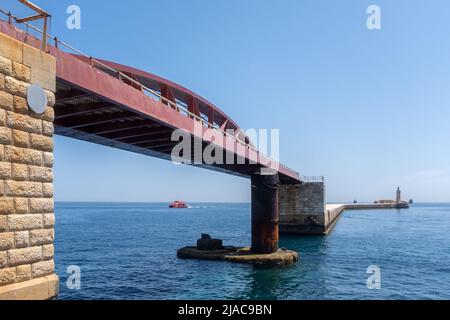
[(324, 224)]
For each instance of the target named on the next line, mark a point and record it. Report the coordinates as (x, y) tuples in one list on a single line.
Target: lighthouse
[(398, 198)]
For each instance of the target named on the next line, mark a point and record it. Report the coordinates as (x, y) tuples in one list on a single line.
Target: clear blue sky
[(367, 109)]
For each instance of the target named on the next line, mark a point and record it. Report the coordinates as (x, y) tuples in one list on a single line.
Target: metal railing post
[(44, 35)]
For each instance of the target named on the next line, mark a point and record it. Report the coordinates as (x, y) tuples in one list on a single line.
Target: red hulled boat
[(178, 205)]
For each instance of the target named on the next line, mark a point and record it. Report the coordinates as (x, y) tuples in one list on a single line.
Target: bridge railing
[(148, 91), (312, 179)]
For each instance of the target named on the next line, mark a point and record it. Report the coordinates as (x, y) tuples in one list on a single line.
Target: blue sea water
[(128, 251)]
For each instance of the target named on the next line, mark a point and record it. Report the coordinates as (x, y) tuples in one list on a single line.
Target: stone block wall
[(27, 219), (302, 208)]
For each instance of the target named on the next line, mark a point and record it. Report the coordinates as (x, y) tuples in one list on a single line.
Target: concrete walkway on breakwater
[(334, 211)]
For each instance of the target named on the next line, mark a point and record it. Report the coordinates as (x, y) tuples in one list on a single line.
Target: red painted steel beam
[(30, 18), (224, 125), (89, 120), (193, 106), (138, 133), (157, 144), (211, 116), (147, 143), (76, 110), (64, 96), (118, 127), (147, 138), (184, 94), (167, 93), (164, 149), (34, 7), (131, 83)]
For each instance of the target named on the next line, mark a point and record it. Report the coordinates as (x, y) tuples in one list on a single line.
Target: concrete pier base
[(241, 255)]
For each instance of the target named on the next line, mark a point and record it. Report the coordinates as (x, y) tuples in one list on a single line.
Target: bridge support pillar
[(265, 214), (27, 269), (265, 220)]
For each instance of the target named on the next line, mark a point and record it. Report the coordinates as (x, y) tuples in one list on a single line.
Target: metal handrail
[(312, 179), (144, 88)]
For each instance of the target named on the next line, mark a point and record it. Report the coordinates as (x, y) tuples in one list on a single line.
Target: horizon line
[(231, 202)]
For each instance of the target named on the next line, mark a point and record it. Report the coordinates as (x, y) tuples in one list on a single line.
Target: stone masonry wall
[(26, 175), (302, 204)]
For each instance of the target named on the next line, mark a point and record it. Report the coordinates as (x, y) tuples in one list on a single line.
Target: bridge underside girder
[(90, 117), (97, 102)]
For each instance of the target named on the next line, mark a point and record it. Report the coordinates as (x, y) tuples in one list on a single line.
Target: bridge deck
[(92, 104)]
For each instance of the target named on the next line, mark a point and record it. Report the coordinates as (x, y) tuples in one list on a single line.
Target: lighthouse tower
[(398, 199)]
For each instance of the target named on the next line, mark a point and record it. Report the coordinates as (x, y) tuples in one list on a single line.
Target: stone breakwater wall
[(303, 209)]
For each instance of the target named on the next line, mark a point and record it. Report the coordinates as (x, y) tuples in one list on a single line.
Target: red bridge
[(122, 107), (126, 108)]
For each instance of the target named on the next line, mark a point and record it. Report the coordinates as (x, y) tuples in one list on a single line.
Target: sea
[(128, 251)]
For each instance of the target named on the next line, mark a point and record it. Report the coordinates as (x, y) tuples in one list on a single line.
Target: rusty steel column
[(265, 213)]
